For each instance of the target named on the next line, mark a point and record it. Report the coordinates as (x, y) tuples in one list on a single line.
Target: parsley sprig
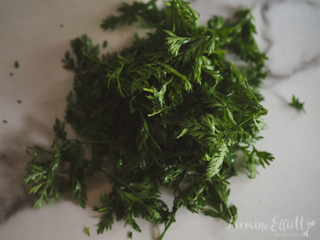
[(297, 104), (170, 111)]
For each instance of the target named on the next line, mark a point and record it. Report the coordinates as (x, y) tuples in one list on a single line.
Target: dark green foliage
[(170, 112), (146, 14), (255, 157), (297, 104), (47, 169), (16, 64), (105, 44)]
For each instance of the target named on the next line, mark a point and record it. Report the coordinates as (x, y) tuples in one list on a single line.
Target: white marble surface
[(286, 194)]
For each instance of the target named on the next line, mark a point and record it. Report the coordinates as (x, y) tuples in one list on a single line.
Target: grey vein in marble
[(292, 44), (13, 192)]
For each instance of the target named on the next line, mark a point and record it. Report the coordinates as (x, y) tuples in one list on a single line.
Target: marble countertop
[(281, 203)]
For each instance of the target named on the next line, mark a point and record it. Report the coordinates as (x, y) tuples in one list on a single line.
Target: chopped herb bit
[(61, 25), (4, 121), (170, 111), (130, 235), (11, 74), (16, 64), (19, 101), (297, 104), (105, 43), (88, 231)]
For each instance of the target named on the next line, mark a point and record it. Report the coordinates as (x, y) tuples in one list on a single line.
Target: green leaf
[(297, 104)]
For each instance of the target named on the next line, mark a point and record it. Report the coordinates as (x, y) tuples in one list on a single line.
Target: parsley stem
[(92, 58), (171, 69)]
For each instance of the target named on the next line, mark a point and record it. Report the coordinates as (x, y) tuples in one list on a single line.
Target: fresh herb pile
[(168, 112)]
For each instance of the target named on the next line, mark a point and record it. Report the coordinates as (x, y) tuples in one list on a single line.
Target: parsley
[(170, 111), (11, 74), (146, 14), (5, 121), (16, 64), (19, 101), (297, 104), (88, 231), (105, 44)]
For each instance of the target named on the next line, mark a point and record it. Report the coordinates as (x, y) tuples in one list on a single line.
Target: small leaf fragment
[(297, 104)]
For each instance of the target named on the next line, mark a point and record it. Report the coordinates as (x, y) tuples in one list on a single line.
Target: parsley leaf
[(297, 104), (146, 14), (88, 231)]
